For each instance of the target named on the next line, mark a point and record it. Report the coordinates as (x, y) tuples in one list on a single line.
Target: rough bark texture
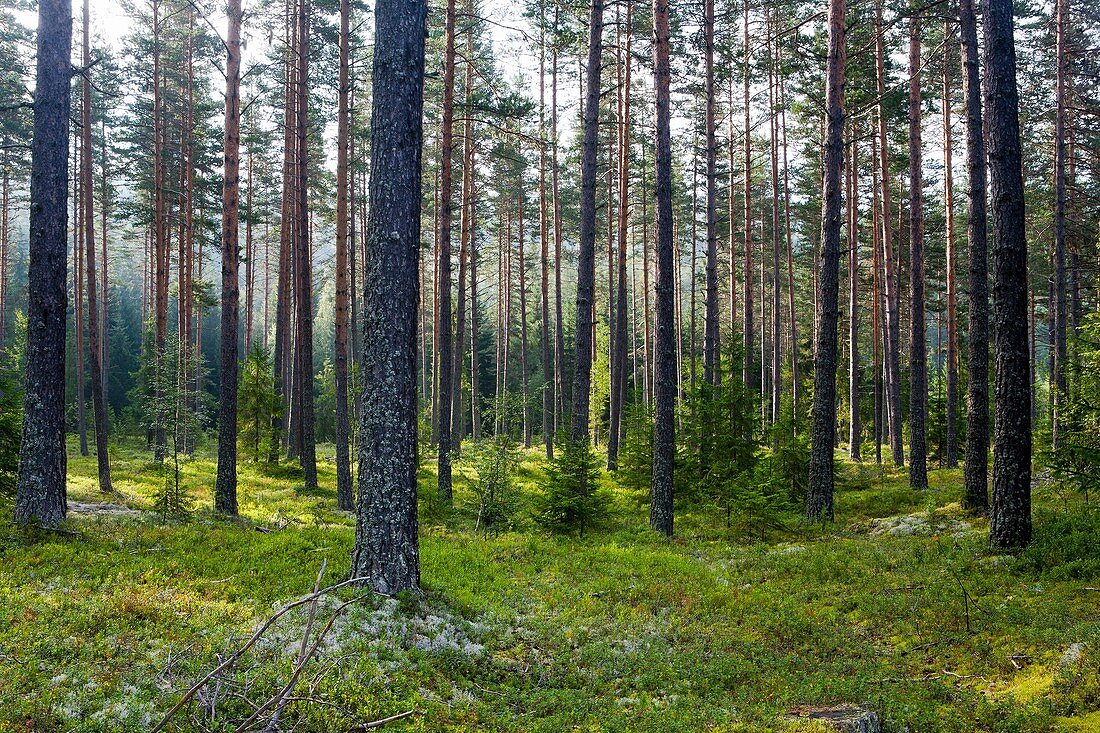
[(344, 494), (386, 545), (918, 353), (976, 495), (819, 494), (664, 446), (544, 242), (444, 340), (854, 428), (586, 259), (747, 344), (308, 448), (40, 491), (95, 325), (225, 487), (1010, 521)]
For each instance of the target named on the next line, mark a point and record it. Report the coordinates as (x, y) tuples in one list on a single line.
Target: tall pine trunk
[(711, 331), (225, 488), (344, 494), (952, 357), (1010, 522), (819, 495), (1060, 381), (387, 553), (444, 334), (99, 399), (40, 488), (664, 437), (918, 357)]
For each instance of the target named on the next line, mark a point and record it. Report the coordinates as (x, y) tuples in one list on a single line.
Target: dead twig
[(384, 721)]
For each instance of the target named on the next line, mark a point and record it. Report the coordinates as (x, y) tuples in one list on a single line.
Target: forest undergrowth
[(900, 606)]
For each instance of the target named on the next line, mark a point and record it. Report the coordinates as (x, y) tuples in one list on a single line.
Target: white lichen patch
[(921, 523)]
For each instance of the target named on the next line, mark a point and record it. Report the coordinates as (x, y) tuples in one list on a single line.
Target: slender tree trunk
[(876, 302), (475, 355), (976, 495), (711, 331), (918, 356), (99, 400), (1010, 522), (890, 280), (78, 297), (618, 365), (445, 372), (1059, 393), (819, 496), (308, 449), (796, 386), (283, 297), (225, 489), (523, 372), (952, 357), (664, 445), (748, 341), (586, 264), (559, 329), (855, 432), (777, 290), (40, 487), (548, 368), (345, 498)]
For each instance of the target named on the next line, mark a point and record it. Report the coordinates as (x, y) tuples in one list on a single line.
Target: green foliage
[(258, 402), (495, 496), (571, 499), (1064, 545), (1075, 465), (11, 407), (789, 460), (635, 470)]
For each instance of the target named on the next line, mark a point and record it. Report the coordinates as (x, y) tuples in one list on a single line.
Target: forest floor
[(900, 606)]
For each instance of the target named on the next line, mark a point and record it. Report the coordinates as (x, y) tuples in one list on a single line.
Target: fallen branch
[(232, 659), (379, 723)]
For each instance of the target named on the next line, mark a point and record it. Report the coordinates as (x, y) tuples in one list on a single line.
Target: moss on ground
[(102, 628)]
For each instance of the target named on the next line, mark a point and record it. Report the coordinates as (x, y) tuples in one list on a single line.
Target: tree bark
[(1010, 522), (890, 280), (918, 355), (747, 305), (855, 432), (386, 545), (225, 488), (976, 494), (1059, 382), (308, 449), (444, 340), (711, 331), (586, 261), (40, 488), (345, 498), (664, 446), (544, 237), (819, 495), (952, 358)]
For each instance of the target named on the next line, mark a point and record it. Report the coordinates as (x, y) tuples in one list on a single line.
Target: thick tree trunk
[(386, 550), (586, 261), (225, 488), (664, 437), (1010, 521), (40, 488), (819, 495), (345, 498), (976, 494), (918, 356)]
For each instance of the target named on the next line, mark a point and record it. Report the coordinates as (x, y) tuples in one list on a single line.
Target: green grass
[(619, 630)]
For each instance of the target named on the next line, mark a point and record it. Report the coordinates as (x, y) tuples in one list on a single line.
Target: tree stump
[(845, 718)]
